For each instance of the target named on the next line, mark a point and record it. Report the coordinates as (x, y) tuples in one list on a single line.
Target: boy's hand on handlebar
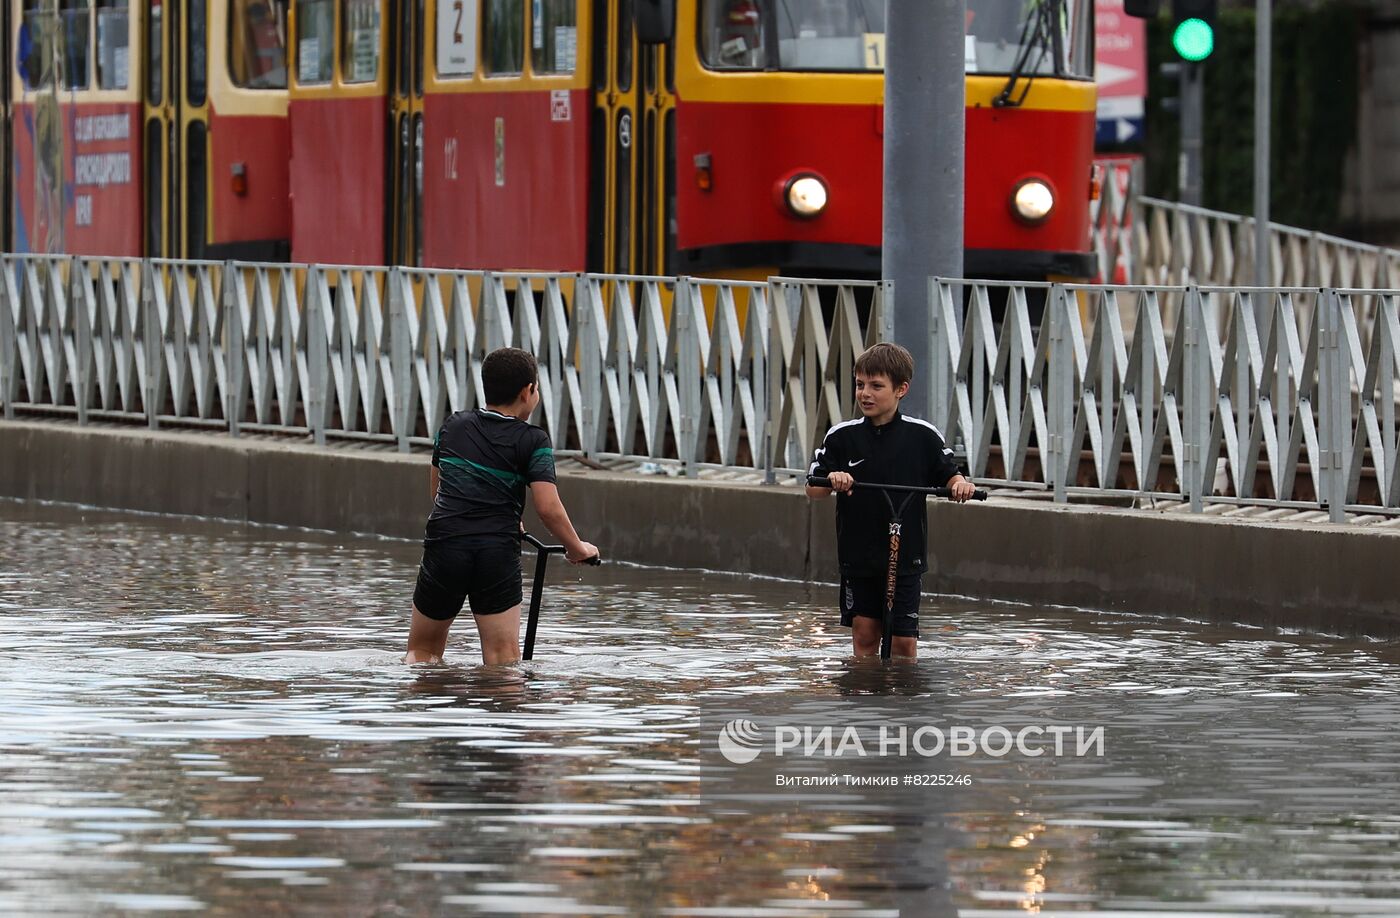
[(582, 552), (841, 482), (961, 489)]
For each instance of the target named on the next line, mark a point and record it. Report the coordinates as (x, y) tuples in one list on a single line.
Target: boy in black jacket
[(882, 446)]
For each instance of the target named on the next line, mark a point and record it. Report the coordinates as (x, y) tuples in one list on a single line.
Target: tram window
[(600, 48), (155, 135), (418, 39), (1081, 42), (257, 43), (77, 29), (113, 44), (155, 50), (196, 176), (831, 35), (315, 41), (995, 30), (624, 45), (403, 57), (554, 36), (33, 29), (197, 45), (503, 45), (839, 35), (359, 49), (732, 34)]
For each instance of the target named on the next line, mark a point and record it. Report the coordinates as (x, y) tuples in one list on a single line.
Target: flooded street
[(199, 716)]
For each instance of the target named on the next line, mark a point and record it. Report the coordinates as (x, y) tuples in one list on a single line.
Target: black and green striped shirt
[(485, 461)]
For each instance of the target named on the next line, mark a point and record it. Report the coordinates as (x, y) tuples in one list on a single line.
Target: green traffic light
[(1194, 39)]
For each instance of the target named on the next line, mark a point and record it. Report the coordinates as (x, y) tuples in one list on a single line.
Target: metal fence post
[(589, 371), (153, 340), (886, 316), (316, 358), (56, 296), (938, 398), (772, 394), (9, 347), (1059, 464), (400, 358), (689, 387), (80, 319), (1196, 382), (233, 349), (1334, 406)]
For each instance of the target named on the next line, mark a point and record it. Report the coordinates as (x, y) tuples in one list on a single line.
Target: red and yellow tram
[(722, 137), (156, 129)]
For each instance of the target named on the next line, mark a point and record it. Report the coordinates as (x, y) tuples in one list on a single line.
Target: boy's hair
[(887, 360), (506, 371)]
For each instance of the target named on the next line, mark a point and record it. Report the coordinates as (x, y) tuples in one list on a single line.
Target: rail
[(1282, 397), (674, 371), (1148, 241)]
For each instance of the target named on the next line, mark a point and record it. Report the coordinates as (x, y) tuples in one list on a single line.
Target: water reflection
[(198, 716)]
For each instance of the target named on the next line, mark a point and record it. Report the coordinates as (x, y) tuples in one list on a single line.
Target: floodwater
[(198, 716)]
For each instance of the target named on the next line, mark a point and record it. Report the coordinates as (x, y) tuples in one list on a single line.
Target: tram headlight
[(1032, 200), (806, 195)]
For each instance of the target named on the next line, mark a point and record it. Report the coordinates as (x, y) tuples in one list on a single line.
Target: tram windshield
[(1026, 37)]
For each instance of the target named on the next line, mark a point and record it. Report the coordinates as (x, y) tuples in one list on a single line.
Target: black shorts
[(865, 596), (452, 572)]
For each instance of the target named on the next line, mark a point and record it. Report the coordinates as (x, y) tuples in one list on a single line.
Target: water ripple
[(196, 716)]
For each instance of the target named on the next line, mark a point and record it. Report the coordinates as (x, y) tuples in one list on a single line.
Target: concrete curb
[(1334, 579)]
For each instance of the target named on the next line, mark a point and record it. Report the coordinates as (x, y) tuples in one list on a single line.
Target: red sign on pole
[(1121, 69)]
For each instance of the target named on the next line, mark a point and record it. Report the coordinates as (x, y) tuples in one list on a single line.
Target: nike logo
[(855, 462)]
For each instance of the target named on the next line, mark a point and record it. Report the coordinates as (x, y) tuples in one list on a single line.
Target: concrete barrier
[(1335, 579)]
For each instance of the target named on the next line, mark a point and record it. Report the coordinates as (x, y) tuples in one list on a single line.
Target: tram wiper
[(1039, 36)]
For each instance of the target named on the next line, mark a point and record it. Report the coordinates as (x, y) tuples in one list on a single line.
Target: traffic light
[(1193, 28)]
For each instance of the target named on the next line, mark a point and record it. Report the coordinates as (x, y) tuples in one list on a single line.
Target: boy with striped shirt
[(484, 461)]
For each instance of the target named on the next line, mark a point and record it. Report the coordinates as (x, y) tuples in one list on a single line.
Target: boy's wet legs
[(865, 639), (500, 636), (427, 639)]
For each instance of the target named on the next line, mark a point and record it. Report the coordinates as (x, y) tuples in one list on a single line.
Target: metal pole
[(1334, 407), (924, 153), (9, 340), (1192, 106), (1263, 53)]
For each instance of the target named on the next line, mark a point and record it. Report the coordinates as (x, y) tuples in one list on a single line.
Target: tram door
[(176, 141), (404, 160), (633, 146)]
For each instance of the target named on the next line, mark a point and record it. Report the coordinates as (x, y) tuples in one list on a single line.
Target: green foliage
[(1314, 117)]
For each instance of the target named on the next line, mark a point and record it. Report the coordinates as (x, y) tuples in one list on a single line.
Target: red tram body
[(74, 136), (167, 122)]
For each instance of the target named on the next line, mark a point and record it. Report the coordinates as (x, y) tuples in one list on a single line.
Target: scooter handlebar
[(817, 481), (555, 549)]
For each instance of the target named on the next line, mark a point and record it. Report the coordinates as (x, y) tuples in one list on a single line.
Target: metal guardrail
[(1283, 397), (1148, 241), (668, 370)]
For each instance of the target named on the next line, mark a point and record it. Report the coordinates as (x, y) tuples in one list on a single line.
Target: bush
[(1314, 119)]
